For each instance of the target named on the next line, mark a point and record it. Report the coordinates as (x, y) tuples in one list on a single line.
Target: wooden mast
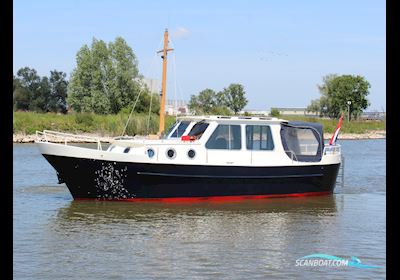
[(164, 82)]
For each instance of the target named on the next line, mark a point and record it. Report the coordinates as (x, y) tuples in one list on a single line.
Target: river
[(55, 237)]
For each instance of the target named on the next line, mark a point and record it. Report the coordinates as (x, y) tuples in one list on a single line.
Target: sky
[(278, 50)]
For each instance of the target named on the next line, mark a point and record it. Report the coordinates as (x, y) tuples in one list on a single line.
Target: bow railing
[(61, 137)]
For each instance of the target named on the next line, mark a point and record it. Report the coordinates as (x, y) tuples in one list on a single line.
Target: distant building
[(373, 116), (255, 112), (176, 107), (294, 111)]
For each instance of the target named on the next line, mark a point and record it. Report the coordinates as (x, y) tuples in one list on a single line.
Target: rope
[(140, 92), (151, 98), (176, 101), (174, 68), (177, 87), (179, 90), (151, 94), (148, 120), (134, 105)]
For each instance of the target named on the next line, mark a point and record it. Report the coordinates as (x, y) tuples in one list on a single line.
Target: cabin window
[(302, 141), (259, 138), (171, 129), (180, 130), (225, 137), (198, 129)]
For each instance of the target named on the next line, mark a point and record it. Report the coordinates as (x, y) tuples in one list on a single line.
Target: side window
[(171, 129), (225, 137), (180, 130), (198, 129), (259, 137)]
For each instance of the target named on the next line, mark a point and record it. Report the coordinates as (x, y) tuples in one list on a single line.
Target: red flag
[(335, 135)]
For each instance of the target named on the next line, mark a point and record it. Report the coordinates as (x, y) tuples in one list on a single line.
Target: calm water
[(55, 237)]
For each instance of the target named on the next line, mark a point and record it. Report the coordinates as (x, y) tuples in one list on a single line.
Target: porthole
[(127, 150), (171, 153), (150, 153), (191, 153)]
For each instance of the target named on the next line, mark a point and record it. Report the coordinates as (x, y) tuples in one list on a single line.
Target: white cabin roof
[(233, 119)]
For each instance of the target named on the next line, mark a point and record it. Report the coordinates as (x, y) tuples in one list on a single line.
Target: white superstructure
[(219, 140)]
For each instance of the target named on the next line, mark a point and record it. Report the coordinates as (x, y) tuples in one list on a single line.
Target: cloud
[(180, 33)]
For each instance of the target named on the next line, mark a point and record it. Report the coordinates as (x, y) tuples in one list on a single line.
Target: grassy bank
[(113, 125), (103, 125)]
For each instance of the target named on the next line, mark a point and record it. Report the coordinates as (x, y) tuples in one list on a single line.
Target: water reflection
[(260, 235), (93, 212)]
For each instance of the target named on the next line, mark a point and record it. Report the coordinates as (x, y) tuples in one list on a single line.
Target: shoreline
[(22, 138)]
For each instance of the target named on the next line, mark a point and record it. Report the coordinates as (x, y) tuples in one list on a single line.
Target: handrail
[(292, 155), (332, 149), (66, 136)]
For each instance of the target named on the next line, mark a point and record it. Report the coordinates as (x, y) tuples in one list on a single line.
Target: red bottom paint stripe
[(210, 198)]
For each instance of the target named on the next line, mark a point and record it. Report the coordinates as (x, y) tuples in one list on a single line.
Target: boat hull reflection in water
[(109, 212)]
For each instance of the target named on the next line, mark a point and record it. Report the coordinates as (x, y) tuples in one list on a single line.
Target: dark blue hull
[(97, 179)]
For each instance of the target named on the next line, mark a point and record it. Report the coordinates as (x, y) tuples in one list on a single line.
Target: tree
[(233, 97), (28, 78), (319, 106), (207, 102), (194, 105), (275, 113), (204, 102), (40, 94), (336, 91), (21, 96), (26, 89), (58, 91), (41, 97), (106, 79)]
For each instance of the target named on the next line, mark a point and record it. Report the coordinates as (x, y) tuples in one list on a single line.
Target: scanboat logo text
[(331, 261)]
